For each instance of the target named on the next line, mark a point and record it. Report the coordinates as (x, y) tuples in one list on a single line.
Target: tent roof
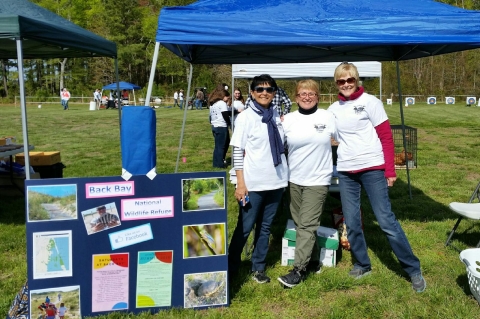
[(45, 34), (293, 31), (122, 85), (302, 70)]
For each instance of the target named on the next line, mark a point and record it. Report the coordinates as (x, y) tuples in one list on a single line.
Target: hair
[(62, 304), (263, 79), (101, 207), (241, 96), (346, 68), (308, 85), (217, 95)]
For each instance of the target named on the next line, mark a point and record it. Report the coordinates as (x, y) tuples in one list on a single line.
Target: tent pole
[(403, 129), (184, 116), (23, 106), (152, 73), (118, 98)]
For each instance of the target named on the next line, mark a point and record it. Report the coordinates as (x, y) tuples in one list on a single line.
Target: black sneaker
[(358, 273), (293, 278), (260, 277)]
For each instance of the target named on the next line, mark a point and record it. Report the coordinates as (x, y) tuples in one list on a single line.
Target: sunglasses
[(260, 89), (349, 81)]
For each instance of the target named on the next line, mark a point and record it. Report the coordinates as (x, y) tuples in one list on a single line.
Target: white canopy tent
[(304, 70)]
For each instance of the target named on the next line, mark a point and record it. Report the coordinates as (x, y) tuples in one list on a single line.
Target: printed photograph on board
[(203, 194), (205, 289), (101, 218), (52, 254), (204, 240), (58, 302), (51, 202)]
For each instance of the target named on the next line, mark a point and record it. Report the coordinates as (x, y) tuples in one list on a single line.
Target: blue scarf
[(276, 144)]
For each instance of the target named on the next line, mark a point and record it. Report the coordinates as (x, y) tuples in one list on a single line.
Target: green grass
[(447, 170)]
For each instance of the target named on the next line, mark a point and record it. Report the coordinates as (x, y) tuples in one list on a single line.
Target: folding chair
[(470, 210)]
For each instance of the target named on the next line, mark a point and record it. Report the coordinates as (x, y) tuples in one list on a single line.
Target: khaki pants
[(306, 206)]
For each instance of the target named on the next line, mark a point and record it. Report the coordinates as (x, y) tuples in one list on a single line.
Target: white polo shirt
[(251, 135)]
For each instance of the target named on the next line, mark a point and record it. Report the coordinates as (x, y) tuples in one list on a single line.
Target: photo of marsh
[(52, 202), (203, 194), (204, 240), (205, 289), (68, 296)]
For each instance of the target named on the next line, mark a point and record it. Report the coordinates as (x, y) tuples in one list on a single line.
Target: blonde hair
[(308, 85), (348, 69)]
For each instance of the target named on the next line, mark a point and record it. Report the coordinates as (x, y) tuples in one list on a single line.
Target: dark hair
[(101, 207), (217, 95), (241, 96), (263, 79)]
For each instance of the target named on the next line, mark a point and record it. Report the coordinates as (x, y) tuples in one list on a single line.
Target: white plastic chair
[(470, 210)]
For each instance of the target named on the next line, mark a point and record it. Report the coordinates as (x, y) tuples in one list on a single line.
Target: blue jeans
[(260, 212), (198, 104), (375, 185), (181, 104), (222, 140), (65, 104)]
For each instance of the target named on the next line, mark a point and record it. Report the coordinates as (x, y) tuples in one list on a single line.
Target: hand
[(390, 181), (240, 192), (281, 118)]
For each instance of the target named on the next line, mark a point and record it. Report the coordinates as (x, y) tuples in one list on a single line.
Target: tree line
[(132, 25)]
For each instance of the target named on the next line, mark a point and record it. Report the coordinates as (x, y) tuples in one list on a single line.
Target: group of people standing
[(178, 99), (365, 153)]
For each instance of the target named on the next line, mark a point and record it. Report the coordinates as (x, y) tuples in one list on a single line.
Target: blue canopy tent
[(253, 31), (123, 86), (28, 31)]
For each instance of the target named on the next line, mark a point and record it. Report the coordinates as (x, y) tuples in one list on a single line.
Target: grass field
[(448, 169)]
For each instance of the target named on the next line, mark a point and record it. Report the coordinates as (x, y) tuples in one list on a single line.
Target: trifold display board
[(104, 244)]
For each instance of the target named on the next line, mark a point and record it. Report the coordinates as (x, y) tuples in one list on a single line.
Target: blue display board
[(104, 244)]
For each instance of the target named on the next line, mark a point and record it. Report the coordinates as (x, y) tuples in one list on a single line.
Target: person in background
[(65, 96), (62, 310), (175, 98), (366, 159), (281, 98), (262, 174), (180, 97), (220, 121), (50, 312), (308, 132), (104, 220), (199, 100), (97, 97)]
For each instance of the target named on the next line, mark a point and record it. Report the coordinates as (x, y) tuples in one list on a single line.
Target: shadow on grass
[(12, 206)]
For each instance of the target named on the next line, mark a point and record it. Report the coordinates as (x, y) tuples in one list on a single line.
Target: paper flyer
[(110, 282), (154, 279)]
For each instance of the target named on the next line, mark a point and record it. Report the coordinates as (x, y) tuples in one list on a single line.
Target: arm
[(384, 133), (226, 117), (241, 189)]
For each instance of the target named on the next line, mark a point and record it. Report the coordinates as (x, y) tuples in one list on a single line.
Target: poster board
[(105, 244)]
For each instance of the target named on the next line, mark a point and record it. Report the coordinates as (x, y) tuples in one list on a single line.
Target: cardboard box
[(327, 242), (18, 180), (39, 158), (3, 141)]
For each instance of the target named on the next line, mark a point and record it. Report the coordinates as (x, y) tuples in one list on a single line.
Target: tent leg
[(184, 116), (152, 73), (23, 106), (403, 127)]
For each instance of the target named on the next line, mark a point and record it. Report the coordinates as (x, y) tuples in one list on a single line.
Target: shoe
[(358, 273), (260, 277), (418, 283), (293, 278)]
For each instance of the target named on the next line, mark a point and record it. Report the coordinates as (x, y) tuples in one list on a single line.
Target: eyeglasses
[(260, 89), (304, 95), (349, 81)]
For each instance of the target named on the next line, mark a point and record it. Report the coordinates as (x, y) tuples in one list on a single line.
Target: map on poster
[(52, 254)]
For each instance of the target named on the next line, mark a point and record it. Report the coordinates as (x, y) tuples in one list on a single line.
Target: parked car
[(191, 100)]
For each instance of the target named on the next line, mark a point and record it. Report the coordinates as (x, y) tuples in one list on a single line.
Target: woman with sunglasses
[(308, 133), (262, 174), (220, 121), (366, 159)]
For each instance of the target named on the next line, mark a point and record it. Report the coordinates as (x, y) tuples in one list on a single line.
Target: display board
[(104, 244)]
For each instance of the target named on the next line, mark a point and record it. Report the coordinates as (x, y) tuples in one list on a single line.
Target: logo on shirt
[(359, 109), (319, 127)]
